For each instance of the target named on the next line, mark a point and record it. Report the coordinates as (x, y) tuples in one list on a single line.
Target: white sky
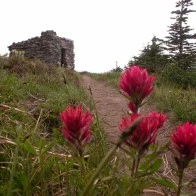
[(104, 31)]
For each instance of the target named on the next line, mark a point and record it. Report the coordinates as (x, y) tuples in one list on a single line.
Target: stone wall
[(49, 48)]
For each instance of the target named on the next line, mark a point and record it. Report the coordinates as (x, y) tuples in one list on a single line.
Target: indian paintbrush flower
[(136, 85), (184, 148), (146, 132), (184, 143), (77, 126)]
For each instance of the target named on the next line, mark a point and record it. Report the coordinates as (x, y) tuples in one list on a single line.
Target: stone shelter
[(49, 48)]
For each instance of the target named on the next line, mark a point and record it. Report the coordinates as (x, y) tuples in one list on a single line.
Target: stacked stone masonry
[(49, 48)]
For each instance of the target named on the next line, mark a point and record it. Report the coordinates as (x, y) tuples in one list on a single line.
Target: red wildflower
[(145, 134), (133, 108), (136, 84), (77, 125), (184, 141)]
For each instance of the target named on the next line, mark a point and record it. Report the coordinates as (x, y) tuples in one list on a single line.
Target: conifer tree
[(151, 57), (180, 42)]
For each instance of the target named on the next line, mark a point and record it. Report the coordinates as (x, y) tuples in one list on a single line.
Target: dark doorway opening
[(63, 57)]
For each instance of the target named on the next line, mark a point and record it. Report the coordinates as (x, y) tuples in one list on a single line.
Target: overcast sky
[(104, 31)]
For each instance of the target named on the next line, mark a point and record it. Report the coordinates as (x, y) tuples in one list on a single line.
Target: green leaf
[(165, 182), (192, 163), (41, 145), (146, 184), (151, 157), (150, 169), (29, 148), (156, 165), (59, 137), (24, 179), (48, 147)]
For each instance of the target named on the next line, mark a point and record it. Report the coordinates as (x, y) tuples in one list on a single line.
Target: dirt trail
[(110, 105)]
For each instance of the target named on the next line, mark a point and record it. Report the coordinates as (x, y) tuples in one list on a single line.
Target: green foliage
[(34, 165), (174, 74), (33, 158), (151, 57), (181, 102)]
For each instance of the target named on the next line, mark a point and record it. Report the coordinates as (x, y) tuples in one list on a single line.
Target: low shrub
[(180, 77)]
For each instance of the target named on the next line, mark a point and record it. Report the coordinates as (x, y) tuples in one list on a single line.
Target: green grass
[(32, 149), (182, 103), (111, 78), (35, 159)]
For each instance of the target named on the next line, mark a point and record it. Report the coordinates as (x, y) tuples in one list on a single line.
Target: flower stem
[(83, 166), (103, 162), (137, 165), (181, 171), (133, 168), (98, 169)]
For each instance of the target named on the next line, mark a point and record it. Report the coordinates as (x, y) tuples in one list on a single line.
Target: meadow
[(36, 158)]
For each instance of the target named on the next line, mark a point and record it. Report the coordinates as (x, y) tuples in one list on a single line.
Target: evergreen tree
[(178, 43), (151, 57)]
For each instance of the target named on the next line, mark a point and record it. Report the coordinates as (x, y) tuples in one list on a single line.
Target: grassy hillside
[(34, 157)]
